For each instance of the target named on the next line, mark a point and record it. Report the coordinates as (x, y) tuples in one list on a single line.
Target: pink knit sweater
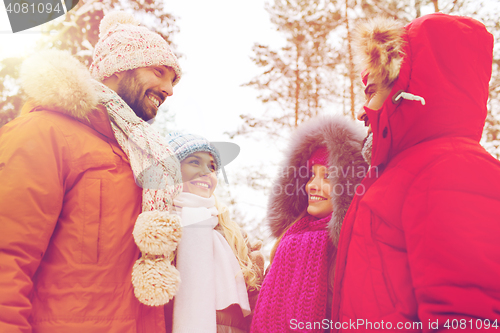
[(295, 288)]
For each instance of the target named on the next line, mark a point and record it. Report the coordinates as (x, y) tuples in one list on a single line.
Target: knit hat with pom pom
[(124, 45)]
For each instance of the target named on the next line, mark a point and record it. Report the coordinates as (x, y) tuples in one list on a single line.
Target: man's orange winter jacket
[(68, 204)]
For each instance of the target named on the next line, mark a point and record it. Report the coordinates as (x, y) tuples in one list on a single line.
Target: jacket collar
[(97, 119)]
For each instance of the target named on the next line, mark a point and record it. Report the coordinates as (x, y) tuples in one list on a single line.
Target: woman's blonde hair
[(232, 233)]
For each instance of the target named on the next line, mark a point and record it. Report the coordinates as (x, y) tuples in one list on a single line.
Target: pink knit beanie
[(124, 45), (319, 156)]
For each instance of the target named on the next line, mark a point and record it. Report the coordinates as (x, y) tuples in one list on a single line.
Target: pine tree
[(297, 80), (11, 98)]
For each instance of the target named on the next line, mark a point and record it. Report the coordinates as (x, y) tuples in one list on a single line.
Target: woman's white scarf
[(211, 275), (157, 171)]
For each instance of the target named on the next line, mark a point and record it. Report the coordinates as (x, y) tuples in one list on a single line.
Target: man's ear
[(113, 81), (118, 75)]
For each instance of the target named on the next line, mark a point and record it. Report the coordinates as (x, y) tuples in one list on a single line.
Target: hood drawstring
[(407, 96)]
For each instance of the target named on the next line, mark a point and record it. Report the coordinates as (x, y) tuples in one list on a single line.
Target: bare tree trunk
[(297, 85), (316, 97), (436, 7), (317, 82), (418, 4), (350, 65)]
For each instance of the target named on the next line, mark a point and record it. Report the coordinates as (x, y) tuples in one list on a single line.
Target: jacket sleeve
[(451, 221), (31, 196)]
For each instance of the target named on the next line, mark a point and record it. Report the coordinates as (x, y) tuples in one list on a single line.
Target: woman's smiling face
[(318, 190), (198, 174)]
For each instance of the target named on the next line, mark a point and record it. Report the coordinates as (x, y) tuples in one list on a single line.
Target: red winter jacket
[(422, 244)]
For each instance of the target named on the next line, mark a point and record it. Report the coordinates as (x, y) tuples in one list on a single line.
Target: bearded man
[(75, 211)]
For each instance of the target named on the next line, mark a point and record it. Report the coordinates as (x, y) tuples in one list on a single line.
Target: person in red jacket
[(419, 250), (86, 186)]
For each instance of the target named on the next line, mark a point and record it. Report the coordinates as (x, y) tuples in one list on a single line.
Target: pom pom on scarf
[(155, 280), (157, 232)]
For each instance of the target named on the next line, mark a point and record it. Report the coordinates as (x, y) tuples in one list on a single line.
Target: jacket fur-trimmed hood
[(378, 46), (343, 140), (444, 61), (56, 80)]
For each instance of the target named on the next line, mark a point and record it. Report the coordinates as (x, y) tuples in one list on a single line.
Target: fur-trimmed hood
[(378, 48), (58, 81), (288, 199), (445, 61)]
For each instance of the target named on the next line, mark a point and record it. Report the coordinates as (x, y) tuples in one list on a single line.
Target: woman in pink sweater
[(309, 199)]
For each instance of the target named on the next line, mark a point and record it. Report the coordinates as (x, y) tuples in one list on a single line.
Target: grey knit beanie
[(187, 144)]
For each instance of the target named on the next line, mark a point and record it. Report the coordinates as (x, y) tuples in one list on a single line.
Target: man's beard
[(367, 148), (129, 89)]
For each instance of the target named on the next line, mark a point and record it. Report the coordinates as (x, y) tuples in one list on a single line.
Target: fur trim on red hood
[(288, 198), (378, 46), (447, 62)]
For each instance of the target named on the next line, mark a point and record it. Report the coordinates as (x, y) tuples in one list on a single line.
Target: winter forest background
[(309, 72)]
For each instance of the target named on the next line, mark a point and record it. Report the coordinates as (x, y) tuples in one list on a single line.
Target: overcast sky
[(216, 39)]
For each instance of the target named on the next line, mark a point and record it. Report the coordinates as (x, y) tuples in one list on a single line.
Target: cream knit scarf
[(211, 275), (157, 171)]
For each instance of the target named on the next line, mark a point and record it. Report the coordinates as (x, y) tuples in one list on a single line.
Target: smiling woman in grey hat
[(213, 258)]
